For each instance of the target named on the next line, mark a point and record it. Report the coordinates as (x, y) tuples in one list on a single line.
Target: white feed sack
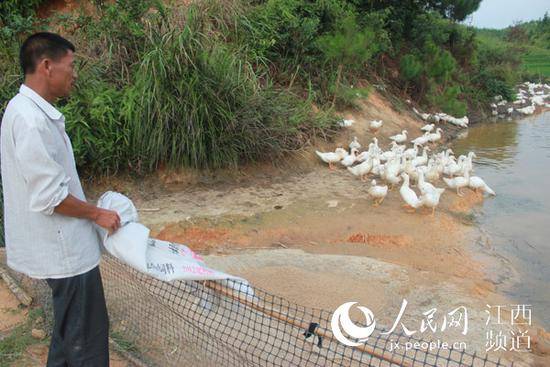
[(162, 260)]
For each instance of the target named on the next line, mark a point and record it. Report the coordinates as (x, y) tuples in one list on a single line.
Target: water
[(514, 159)]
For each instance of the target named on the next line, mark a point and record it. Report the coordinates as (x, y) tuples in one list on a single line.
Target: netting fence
[(212, 324)]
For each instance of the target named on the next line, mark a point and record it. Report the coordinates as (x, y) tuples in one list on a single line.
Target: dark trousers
[(81, 325)]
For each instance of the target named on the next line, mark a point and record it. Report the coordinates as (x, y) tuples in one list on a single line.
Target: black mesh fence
[(220, 323)]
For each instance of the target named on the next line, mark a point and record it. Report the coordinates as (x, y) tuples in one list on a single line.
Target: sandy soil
[(11, 314)]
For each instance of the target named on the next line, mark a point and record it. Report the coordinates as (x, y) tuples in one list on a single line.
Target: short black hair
[(40, 45)]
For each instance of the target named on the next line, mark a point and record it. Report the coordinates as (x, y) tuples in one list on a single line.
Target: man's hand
[(74, 207), (108, 219)]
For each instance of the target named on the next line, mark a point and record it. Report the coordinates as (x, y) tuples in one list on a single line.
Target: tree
[(517, 34), (456, 10)]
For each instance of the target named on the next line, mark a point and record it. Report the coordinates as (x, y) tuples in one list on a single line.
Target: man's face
[(61, 75)]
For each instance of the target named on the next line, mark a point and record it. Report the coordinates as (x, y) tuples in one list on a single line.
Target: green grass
[(537, 61), (16, 343), (123, 343)]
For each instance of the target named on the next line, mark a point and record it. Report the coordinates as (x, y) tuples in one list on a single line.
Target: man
[(49, 227)]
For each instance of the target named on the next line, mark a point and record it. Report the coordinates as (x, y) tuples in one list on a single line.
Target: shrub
[(410, 67), (99, 133), (447, 100), (325, 45)]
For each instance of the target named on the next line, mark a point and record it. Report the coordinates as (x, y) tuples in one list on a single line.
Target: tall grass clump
[(197, 102)]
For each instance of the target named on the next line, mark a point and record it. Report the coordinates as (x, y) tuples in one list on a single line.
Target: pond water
[(513, 157)]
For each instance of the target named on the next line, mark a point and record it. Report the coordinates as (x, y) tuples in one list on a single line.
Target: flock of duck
[(404, 165), (400, 164), (528, 97)]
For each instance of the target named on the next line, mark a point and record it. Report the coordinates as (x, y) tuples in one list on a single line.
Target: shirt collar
[(44, 105)]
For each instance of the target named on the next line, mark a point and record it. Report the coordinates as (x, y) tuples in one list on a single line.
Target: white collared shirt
[(38, 172)]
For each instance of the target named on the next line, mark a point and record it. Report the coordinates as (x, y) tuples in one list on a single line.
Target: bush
[(493, 84), (448, 100), (496, 70), (98, 131), (325, 45), (410, 67), (286, 30), (439, 64), (348, 46)]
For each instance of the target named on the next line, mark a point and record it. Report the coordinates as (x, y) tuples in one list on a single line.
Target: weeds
[(16, 343)]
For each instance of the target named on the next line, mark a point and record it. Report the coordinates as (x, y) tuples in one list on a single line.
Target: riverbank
[(311, 235)]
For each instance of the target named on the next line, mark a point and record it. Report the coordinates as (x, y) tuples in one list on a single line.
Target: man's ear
[(46, 64)]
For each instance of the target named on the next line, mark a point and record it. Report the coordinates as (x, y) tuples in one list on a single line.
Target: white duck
[(421, 140), (410, 169), (430, 198), (375, 125), (362, 169), (423, 159), (408, 195), (446, 156), (469, 160), (378, 193), (390, 178), (394, 166), (354, 144), (346, 123), (363, 156), (377, 168), (391, 172), (400, 138), (332, 157), (424, 186), (411, 152), (477, 183), (458, 182), (374, 149), (387, 155), (350, 159), (432, 174), (433, 137), (424, 116), (452, 168), (434, 118), (397, 148), (428, 128)]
